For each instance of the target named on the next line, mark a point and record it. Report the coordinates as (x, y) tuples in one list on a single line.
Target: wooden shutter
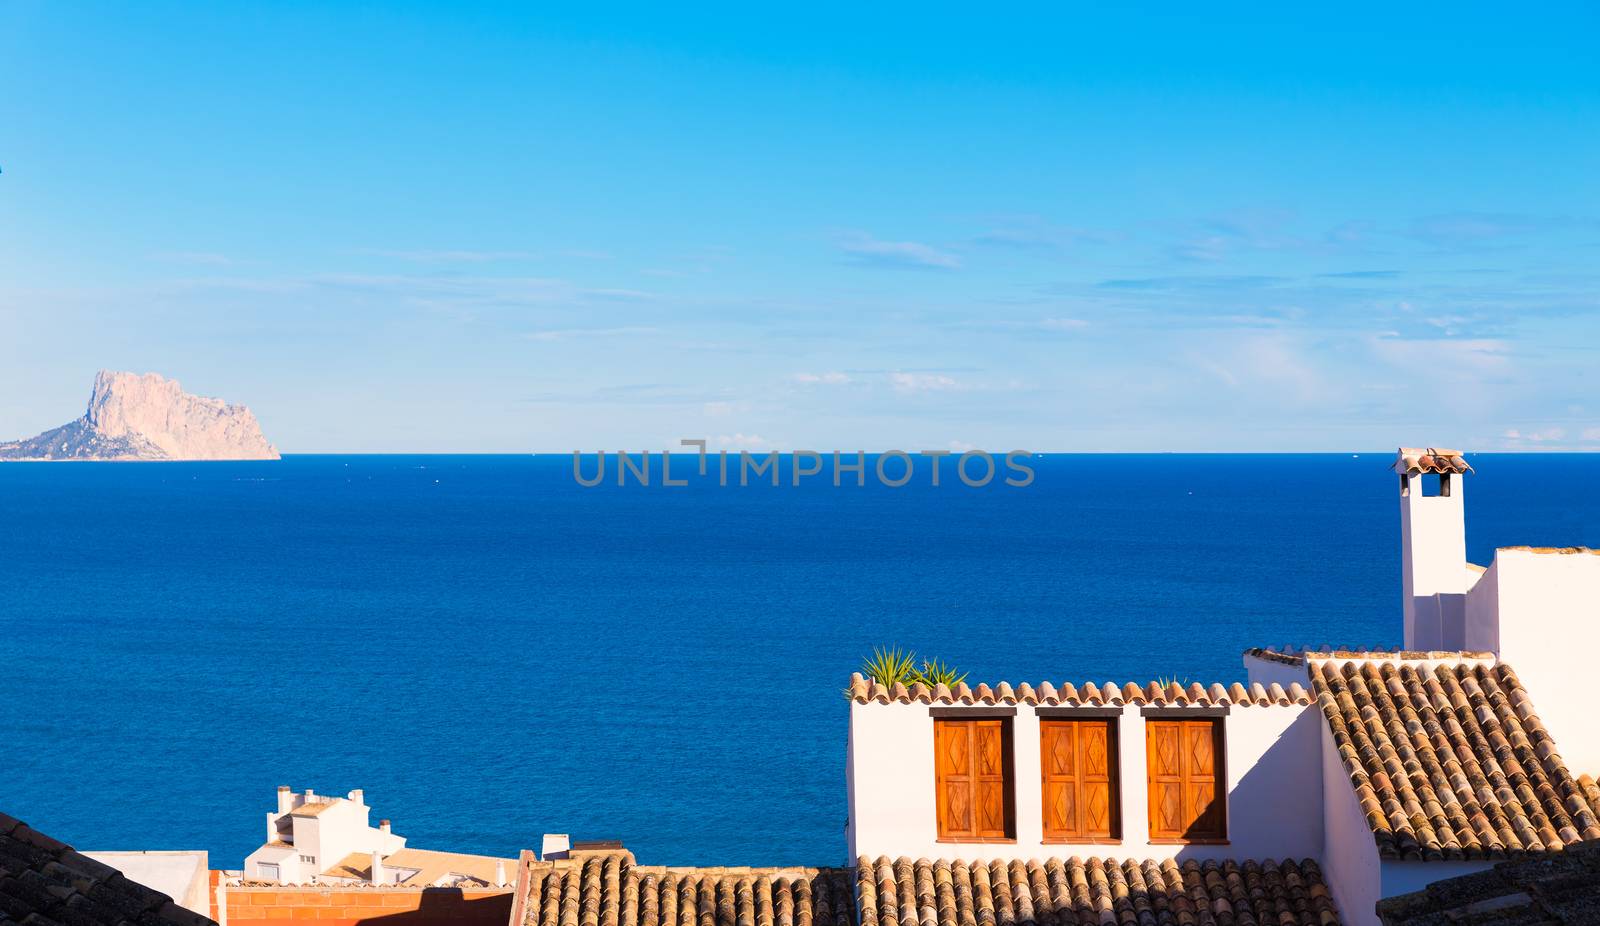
[(1184, 761), (1078, 758), (972, 775)]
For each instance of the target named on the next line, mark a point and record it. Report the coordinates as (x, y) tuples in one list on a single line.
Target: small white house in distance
[(329, 840), (1377, 772), (310, 832)]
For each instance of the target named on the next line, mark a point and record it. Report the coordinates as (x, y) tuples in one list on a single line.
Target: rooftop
[(45, 882), (1449, 761), (611, 890), (1549, 889), (864, 691), (429, 865), (1104, 891), (1299, 656)]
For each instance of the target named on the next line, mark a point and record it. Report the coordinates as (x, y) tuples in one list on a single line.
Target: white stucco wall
[(1350, 864), (1433, 557), (1547, 605), (1272, 768), (338, 830), (182, 875), (1268, 671)]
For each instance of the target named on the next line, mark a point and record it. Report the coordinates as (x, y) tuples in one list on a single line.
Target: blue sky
[(444, 227)]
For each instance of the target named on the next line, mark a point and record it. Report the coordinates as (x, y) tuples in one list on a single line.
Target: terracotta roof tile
[(44, 882), (611, 890), (1450, 761), (1300, 655), (1414, 460), (902, 892), (864, 691)]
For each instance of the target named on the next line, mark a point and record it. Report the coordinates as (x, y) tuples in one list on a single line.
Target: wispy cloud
[(448, 256), (567, 334), (909, 383), (1034, 233), (830, 378), (1362, 275), (742, 441), (866, 250)]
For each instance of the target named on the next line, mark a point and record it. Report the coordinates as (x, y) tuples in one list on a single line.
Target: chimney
[(1433, 547), (383, 827), (555, 845), (285, 799), (499, 874), (358, 796), (377, 868), (311, 796)]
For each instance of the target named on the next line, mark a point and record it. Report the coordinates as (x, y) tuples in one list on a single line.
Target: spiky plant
[(936, 672), (887, 666), (1167, 681)]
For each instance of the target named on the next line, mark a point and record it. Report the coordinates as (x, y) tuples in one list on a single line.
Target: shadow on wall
[(1275, 808), (446, 906)]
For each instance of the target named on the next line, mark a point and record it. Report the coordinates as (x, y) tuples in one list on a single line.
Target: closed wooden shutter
[(1078, 758), (1184, 761), (972, 775)]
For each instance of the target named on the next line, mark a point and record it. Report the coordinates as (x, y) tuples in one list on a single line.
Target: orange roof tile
[(1414, 460), (1450, 761), (903, 892), (610, 890), (865, 691)]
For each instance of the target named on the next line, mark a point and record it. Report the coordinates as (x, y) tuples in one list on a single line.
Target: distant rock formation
[(148, 417)]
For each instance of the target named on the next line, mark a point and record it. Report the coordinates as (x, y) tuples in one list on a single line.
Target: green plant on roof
[(936, 672), (888, 666), (1167, 681)]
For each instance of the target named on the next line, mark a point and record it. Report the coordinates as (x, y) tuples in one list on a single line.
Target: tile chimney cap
[(383, 822), (1411, 461), (284, 788)]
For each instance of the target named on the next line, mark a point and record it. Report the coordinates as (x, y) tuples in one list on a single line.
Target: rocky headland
[(149, 417)]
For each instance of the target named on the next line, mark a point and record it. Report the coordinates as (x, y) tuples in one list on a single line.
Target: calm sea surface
[(493, 652)]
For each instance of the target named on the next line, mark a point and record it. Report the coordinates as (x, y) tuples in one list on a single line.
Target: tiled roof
[(44, 882), (610, 890), (315, 808), (429, 865), (1414, 460), (864, 691), (1299, 655), (1546, 889), (1451, 762), (903, 892)]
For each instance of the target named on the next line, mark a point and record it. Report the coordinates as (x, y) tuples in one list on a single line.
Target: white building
[(1385, 770), (313, 838)]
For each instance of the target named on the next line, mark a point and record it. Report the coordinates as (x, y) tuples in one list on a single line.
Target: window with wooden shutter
[(1187, 791), (1078, 759), (972, 775)]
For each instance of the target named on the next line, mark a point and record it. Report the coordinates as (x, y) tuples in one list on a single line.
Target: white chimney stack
[(499, 874), (1433, 547), (383, 827), (377, 868), (358, 796), (555, 845), (285, 799)]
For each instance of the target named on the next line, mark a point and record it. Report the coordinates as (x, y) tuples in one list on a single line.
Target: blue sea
[(493, 651)]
